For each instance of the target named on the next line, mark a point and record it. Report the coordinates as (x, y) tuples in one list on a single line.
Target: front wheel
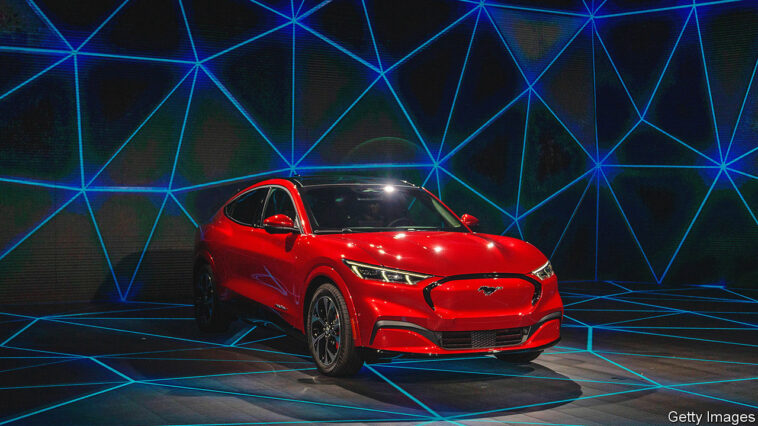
[(330, 335), (518, 357)]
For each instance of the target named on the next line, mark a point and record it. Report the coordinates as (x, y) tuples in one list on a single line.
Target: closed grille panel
[(481, 339)]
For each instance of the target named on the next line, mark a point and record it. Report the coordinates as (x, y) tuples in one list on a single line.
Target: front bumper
[(398, 336), (458, 319)]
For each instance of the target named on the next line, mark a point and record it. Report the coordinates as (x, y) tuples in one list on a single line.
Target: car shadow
[(477, 386)]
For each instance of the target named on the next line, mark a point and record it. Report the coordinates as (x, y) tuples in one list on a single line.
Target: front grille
[(481, 339)]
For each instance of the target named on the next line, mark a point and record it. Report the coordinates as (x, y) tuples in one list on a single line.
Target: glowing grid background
[(617, 136)]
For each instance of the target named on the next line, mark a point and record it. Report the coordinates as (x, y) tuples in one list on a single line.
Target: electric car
[(366, 268)]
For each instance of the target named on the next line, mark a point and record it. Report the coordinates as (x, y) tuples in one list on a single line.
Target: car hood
[(443, 253)]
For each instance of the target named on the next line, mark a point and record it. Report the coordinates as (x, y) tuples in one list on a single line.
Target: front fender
[(330, 273)]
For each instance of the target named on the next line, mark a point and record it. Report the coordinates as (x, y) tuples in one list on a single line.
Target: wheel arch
[(202, 258), (319, 276)]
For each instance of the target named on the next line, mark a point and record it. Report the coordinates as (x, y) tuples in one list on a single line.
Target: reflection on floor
[(630, 353)]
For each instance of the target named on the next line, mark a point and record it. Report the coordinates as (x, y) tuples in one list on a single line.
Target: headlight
[(378, 273), (544, 272)]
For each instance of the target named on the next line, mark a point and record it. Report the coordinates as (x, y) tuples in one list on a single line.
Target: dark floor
[(628, 356)]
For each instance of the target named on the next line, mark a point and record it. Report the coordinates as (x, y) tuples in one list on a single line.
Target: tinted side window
[(247, 209), (280, 203)]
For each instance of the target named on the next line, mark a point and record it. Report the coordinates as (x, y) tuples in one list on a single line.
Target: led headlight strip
[(544, 272), (380, 273)]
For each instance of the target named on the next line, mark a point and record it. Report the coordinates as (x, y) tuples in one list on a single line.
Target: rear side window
[(248, 208)]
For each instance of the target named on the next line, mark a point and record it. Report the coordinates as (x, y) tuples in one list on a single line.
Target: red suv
[(366, 267)]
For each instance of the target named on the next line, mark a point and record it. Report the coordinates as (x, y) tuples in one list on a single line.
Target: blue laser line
[(403, 391), (666, 65), (344, 113), (560, 53), (14, 335), (79, 119), (697, 213), (481, 128), (371, 33), (99, 27), (617, 144), (296, 13), (479, 194), (34, 77), (507, 47), (739, 115), (41, 184), (108, 367), (679, 141), (135, 58), (547, 107), (708, 84), (499, 374), (39, 225), (270, 9), (520, 407), (244, 113), (339, 47), (523, 154), (102, 245), (713, 397), (597, 216), (246, 373), (228, 180), (14, 419), (615, 70), (571, 218), (535, 9), (628, 224), (408, 117), (430, 40), (144, 249), (294, 54), (181, 134), (311, 10), (555, 194), (44, 17), (458, 86), (187, 27), (134, 133), (593, 34), (300, 401), (243, 43), (702, 314), (243, 335), (186, 213), (744, 201)]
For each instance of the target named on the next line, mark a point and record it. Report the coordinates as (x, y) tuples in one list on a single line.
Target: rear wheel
[(330, 335), (209, 314), (518, 357)]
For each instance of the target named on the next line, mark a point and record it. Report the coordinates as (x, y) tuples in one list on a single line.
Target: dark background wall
[(618, 136)]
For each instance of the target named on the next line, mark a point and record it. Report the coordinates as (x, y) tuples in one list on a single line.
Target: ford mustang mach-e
[(367, 267)]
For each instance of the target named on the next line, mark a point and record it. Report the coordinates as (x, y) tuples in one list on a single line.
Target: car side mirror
[(469, 220), (279, 224)]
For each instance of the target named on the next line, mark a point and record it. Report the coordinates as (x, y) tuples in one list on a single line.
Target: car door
[(241, 271), (270, 257)]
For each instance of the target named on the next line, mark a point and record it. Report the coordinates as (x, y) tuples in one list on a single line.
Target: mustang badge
[(488, 290)]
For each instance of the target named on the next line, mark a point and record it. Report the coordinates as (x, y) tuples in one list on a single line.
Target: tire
[(209, 314), (518, 357), (329, 333)]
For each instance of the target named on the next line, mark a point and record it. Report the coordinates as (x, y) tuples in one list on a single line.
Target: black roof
[(317, 180)]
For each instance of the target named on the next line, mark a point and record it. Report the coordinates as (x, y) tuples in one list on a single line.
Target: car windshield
[(370, 208)]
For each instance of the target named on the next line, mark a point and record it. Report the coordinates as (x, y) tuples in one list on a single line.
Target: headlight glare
[(380, 273), (544, 272)]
